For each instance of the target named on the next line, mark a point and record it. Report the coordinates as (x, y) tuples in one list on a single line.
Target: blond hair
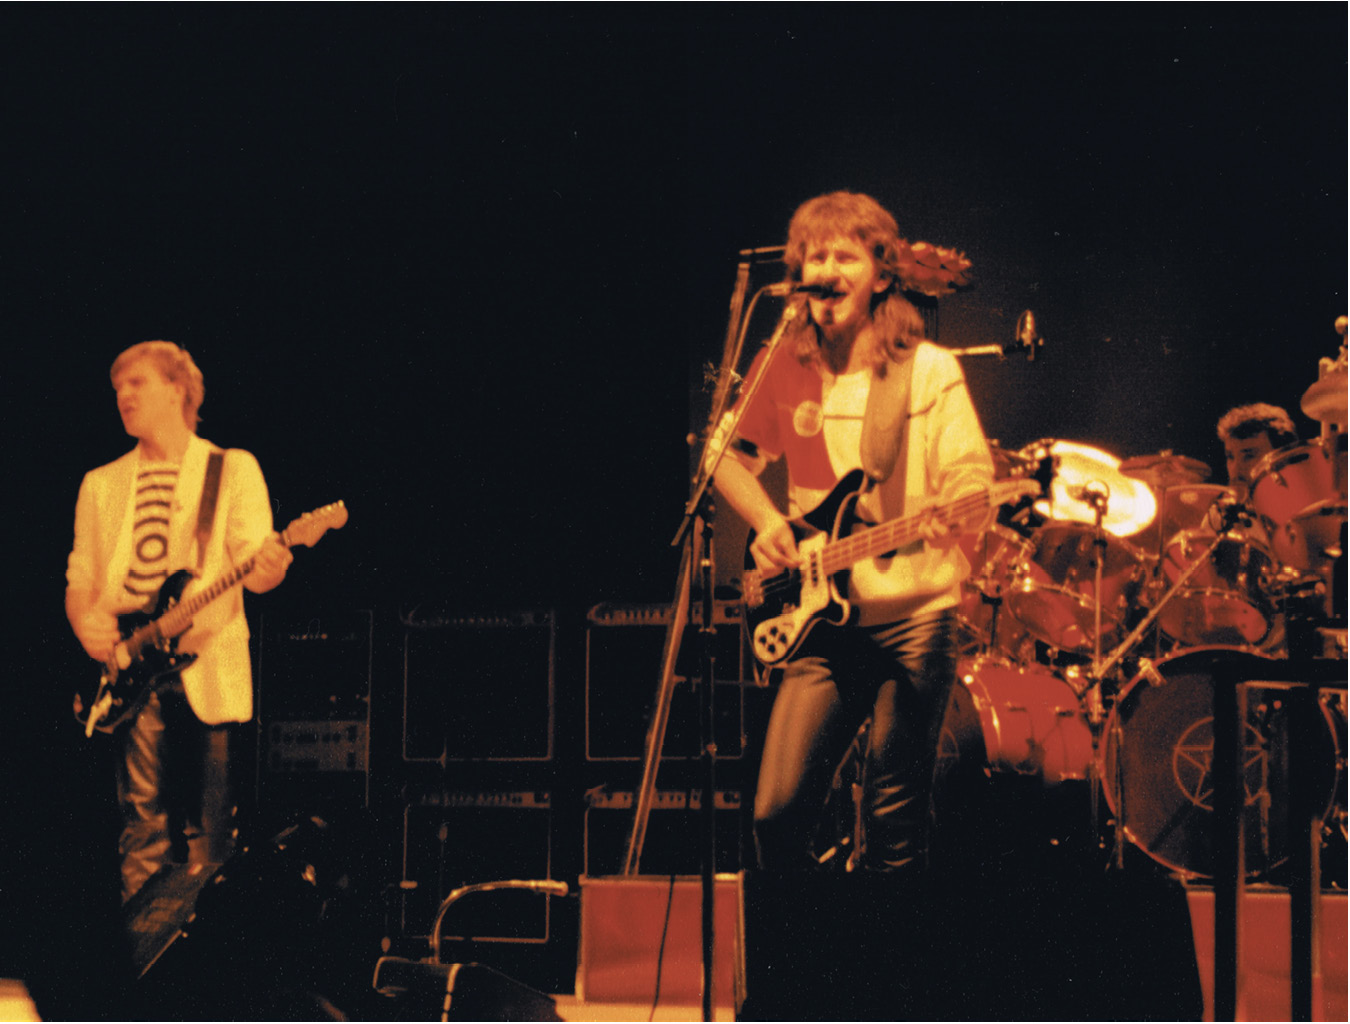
[(176, 366)]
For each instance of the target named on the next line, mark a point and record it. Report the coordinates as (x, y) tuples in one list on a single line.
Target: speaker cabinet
[(315, 667), (479, 688), (624, 646), (453, 839), (674, 837)]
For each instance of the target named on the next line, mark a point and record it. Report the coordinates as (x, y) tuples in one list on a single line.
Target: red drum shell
[(1224, 601), (1032, 721)]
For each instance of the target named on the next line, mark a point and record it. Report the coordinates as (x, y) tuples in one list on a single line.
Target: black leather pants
[(901, 675), (173, 784)]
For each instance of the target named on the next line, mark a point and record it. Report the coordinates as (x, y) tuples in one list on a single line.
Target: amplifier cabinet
[(624, 647), (319, 745), (675, 828), (479, 688), (453, 839), (315, 666)]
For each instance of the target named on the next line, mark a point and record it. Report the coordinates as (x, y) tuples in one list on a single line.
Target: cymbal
[(1326, 400), (1166, 469), (1130, 504)]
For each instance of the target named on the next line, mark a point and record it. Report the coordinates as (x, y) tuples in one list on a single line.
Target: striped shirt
[(150, 533)]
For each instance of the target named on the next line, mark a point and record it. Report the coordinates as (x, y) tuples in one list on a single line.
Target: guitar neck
[(180, 615), (896, 533), (305, 530)]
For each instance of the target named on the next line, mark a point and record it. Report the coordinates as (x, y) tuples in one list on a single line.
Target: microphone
[(1027, 336), (783, 289)]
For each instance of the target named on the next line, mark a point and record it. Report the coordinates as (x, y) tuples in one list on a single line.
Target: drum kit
[(1093, 622)]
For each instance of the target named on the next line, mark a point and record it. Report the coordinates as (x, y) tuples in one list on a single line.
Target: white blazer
[(219, 685)]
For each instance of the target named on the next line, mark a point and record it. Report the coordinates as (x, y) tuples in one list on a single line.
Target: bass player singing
[(854, 386), (137, 522)]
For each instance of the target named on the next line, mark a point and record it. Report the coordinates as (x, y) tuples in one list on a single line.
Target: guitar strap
[(885, 428), (206, 511)]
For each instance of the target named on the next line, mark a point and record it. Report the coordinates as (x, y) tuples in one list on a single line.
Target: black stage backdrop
[(460, 266)]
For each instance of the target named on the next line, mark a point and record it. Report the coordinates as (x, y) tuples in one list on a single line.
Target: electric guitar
[(781, 605), (148, 651)]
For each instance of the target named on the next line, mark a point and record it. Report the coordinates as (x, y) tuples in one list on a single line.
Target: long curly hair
[(897, 324)]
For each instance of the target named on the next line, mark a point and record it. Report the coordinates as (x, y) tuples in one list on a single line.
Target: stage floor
[(571, 1008)]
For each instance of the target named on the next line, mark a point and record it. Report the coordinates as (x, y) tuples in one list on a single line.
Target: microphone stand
[(695, 533)]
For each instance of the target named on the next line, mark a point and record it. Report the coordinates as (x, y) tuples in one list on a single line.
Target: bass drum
[(1156, 764)]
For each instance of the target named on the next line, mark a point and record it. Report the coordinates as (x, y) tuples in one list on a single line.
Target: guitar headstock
[(312, 525)]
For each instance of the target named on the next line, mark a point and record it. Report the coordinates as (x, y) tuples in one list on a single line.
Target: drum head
[(1055, 594), (1156, 766)]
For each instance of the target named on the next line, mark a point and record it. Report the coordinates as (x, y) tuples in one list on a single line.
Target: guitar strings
[(848, 550)]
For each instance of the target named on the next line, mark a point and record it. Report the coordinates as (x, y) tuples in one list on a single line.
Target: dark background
[(461, 266)]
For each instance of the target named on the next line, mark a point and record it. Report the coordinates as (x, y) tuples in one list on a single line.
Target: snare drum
[(1054, 591), (1224, 601), (1156, 763), (1300, 492), (1032, 721)]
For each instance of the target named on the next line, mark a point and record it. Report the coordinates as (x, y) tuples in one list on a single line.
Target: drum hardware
[(1231, 513), (1325, 399), (995, 553)]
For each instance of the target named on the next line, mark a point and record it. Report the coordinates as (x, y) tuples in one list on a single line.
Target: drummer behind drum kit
[(1142, 563)]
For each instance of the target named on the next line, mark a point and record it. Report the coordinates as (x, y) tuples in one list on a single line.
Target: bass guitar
[(148, 651), (781, 605)]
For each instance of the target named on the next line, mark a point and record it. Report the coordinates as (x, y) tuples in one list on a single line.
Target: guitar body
[(149, 648), (782, 605), (123, 692), (781, 609)]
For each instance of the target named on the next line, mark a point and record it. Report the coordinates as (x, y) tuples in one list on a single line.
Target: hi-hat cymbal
[(1080, 471), (1166, 469), (1325, 401)]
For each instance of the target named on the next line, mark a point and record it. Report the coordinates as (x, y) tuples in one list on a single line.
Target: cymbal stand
[(1231, 515), (1096, 711)]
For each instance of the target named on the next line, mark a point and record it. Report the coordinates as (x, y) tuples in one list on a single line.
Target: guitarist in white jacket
[(853, 385), (137, 522)]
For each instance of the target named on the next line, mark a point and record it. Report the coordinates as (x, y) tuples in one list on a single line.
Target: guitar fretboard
[(897, 533), (179, 617), (840, 554)]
